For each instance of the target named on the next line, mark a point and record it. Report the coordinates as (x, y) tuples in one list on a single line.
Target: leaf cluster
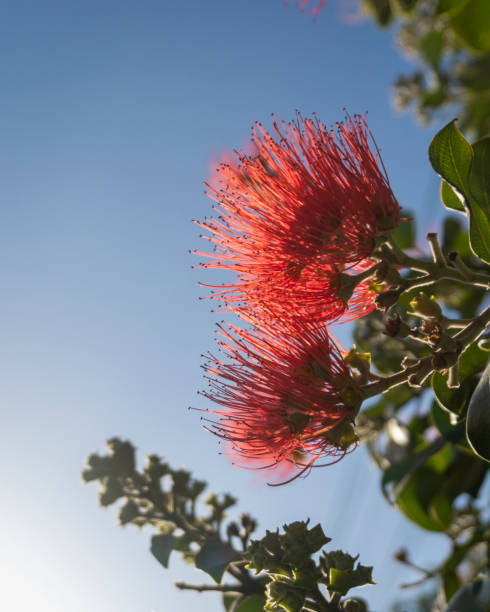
[(277, 571), (450, 40)]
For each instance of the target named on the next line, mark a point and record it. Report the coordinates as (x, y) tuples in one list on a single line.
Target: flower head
[(287, 397), (305, 208)]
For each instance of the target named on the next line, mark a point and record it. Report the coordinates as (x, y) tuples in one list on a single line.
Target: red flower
[(284, 395), (306, 207)]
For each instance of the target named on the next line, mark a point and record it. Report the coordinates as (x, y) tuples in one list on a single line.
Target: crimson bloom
[(287, 396), (301, 211)]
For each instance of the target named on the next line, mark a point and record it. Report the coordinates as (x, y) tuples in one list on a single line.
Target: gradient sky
[(111, 115)]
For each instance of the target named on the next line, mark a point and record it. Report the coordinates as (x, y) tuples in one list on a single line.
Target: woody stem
[(418, 372), (437, 269)]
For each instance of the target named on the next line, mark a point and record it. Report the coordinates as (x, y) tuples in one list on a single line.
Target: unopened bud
[(351, 605), (387, 299), (425, 307), (232, 530), (342, 435), (385, 273), (395, 327), (347, 284), (401, 555), (359, 361)]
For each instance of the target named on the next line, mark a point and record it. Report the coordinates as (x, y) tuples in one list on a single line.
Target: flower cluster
[(298, 220), (286, 395), (296, 216)]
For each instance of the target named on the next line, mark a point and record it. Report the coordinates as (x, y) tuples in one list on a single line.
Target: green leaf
[(472, 361), (431, 47), (250, 603), (479, 187), (414, 500), (441, 509), (229, 600), (472, 25), (380, 9), (341, 581), (161, 547), (405, 6), (452, 433), (454, 6), (450, 198), (466, 599), (214, 557), (465, 168), (450, 155), (478, 419)]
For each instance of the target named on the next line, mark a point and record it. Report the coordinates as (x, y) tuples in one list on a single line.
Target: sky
[(112, 113)]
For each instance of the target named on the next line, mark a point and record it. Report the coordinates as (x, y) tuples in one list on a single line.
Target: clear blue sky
[(110, 114)]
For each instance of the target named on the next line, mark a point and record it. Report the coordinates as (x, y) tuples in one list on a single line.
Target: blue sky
[(111, 112)]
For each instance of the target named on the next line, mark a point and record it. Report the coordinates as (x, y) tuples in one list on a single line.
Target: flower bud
[(425, 307), (385, 273), (359, 361), (395, 327), (387, 299)]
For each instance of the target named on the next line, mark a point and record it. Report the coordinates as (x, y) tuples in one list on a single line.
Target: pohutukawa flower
[(287, 396), (305, 208)]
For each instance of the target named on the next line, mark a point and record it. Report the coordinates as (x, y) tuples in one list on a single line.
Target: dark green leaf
[(431, 47), (128, 512), (161, 547), (444, 6), (450, 199), (466, 599), (450, 583), (471, 362), (479, 186), (380, 9), (229, 600), (406, 6), (214, 557), (415, 498), (472, 24), (250, 603), (440, 418), (441, 509), (478, 419)]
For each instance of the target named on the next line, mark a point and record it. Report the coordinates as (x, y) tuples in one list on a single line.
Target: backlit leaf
[(478, 419)]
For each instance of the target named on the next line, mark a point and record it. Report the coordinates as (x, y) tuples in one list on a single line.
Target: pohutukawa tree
[(307, 222)]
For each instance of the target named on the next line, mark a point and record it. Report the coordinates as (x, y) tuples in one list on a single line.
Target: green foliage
[(478, 419), (277, 572), (465, 167), (161, 547), (471, 23), (214, 557), (451, 41), (455, 401), (294, 577), (450, 198)]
